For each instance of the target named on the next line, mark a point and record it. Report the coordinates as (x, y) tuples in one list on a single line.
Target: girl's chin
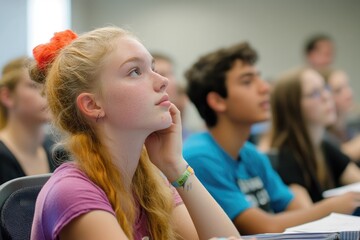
[(166, 121)]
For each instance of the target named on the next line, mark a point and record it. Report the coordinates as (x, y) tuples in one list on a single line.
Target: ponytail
[(95, 161)]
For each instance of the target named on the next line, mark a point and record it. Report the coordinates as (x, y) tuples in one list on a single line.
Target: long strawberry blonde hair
[(73, 71)]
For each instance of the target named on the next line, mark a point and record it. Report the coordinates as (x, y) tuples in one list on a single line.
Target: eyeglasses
[(317, 93)]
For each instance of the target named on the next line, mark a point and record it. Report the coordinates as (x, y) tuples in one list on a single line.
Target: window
[(45, 17)]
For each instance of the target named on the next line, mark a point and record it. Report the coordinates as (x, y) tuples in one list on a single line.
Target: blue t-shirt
[(236, 185)]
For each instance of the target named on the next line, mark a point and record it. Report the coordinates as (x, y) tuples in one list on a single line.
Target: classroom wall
[(276, 28), (13, 29), (188, 28)]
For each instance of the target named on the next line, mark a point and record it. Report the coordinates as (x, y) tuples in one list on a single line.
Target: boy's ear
[(87, 104), (216, 102), (6, 98)]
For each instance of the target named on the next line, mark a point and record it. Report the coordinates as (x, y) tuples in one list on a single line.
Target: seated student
[(344, 132), (302, 107), (24, 149), (226, 88), (122, 130), (319, 50)]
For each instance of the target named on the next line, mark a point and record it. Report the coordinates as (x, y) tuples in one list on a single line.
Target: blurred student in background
[(229, 94), (319, 52), (24, 148), (302, 107), (344, 132)]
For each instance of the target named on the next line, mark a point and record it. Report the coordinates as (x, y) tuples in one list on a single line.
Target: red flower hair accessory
[(46, 53)]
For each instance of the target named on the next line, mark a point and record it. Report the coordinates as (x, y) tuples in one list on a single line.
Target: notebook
[(307, 236), (335, 226), (347, 226), (355, 187)]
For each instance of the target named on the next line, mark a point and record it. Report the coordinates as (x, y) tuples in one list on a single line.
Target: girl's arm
[(165, 151), (206, 215), (95, 225)]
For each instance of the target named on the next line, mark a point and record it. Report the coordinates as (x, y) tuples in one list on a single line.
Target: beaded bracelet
[(180, 182)]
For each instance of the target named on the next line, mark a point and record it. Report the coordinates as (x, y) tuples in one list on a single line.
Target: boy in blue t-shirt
[(230, 96)]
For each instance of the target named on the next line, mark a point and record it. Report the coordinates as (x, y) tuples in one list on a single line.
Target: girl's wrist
[(184, 177), (173, 173)]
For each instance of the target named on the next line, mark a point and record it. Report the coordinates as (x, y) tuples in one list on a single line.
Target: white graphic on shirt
[(255, 192)]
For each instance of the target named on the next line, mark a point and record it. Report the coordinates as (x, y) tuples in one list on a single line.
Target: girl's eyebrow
[(133, 59), (136, 59)]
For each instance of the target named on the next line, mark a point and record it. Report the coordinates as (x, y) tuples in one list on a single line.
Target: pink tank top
[(68, 194)]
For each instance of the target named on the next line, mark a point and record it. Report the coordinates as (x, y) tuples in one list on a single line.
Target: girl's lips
[(164, 101)]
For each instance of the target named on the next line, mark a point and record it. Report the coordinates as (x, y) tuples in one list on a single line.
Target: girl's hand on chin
[(165, 147)]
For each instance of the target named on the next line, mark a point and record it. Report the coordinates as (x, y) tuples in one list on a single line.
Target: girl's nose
[(161, 83)]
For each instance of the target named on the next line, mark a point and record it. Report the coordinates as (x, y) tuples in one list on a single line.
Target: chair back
[(17, 205)]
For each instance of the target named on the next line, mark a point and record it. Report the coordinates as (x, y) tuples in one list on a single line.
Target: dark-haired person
[(319, 52), (24, 147), (302, 107), (230, 95)]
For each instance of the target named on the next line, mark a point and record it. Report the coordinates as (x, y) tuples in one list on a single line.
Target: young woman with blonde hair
[(24, 147), (124, 136)]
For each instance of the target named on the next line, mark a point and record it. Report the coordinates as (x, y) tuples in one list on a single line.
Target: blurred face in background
[(27, 102), (321, 57), (341, 91), (317, 103)]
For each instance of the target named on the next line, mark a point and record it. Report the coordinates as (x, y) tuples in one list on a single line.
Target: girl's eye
[(135, 73)]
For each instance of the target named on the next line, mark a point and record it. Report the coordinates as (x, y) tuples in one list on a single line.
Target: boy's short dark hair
[(310, 44), (208, 74)]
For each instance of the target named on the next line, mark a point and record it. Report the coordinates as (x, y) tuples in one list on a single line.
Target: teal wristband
[(180, 182)]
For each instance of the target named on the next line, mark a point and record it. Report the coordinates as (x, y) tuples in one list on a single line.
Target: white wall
[(13, 29), (276, 28)]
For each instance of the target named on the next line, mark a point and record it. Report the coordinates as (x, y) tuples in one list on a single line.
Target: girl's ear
[(6, 97), (88, 106), (216, 102)]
